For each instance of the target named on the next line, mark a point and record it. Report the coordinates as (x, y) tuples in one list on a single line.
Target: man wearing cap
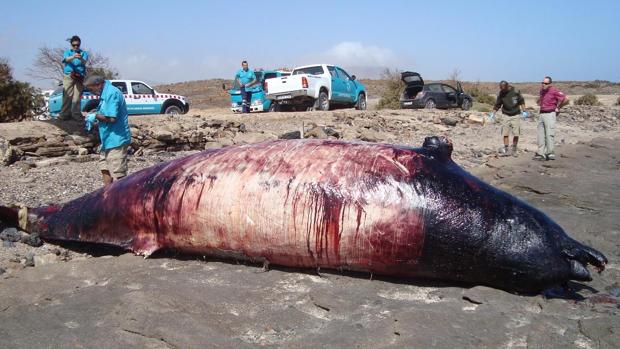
[(550, 101), (246, 79), (112, 120), (513, 107), (74, 67)]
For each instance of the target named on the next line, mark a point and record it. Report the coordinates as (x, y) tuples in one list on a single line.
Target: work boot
[(550, 157), (514, 150), (539, 157), (505, 151)]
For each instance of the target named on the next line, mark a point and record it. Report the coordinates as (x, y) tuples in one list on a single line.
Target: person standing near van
[(550, 101), (512, 104), (74, 67), (245, 79)]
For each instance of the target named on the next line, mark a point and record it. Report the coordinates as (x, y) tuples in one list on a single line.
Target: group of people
[(110, 115), (512, 104)]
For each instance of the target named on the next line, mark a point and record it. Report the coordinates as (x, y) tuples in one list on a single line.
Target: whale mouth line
[(579, 257)]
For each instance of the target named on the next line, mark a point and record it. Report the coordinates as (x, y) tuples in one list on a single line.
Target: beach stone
[(46, 259), (11, 234)]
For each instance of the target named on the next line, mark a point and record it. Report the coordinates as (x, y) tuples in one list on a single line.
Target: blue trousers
[(246, 100)]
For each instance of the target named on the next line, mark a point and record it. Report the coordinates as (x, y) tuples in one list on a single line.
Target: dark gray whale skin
[(502, 241), (379, 208)]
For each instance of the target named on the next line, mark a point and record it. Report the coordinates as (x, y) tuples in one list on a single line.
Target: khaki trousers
[(71, 99), (546, 133)]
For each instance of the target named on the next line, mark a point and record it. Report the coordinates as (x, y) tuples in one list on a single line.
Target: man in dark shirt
[(512, 104)]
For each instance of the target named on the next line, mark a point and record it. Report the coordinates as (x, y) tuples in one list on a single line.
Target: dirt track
[(166, 302)]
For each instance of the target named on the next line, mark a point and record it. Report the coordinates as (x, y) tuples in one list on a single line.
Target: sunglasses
[(75, 45), (545, 83)]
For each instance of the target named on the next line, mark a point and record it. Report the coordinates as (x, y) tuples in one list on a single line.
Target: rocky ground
[(53, 296)]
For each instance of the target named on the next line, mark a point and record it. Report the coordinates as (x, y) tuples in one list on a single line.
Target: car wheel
[(172, 110), (430, 104), (466, 104), (361, 102), (323, 101)]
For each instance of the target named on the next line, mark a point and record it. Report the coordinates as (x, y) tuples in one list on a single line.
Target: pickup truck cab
[(140, 99), (259, 102), (316, 87)]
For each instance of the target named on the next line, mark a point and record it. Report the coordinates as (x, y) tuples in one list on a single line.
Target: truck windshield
[(316, 70)]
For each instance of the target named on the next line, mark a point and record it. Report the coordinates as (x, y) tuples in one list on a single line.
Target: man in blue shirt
[(113, 122), (245, 79), (74, 62)]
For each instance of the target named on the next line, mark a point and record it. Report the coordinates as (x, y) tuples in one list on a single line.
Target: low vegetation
[(588, 99), (390, 98), (480, 95), (18, 100)]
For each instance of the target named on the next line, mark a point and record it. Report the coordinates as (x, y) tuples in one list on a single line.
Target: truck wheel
[(430, 104), (274, 107), (172, 110), (322, 103), (361, 102)]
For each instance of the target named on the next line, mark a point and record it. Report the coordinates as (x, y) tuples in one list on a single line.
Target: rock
[(46, 259), (8, 244), (11, 234), (162, 135), (476, 119), (251, 137), (2, 271), (213, 145), (370, 135), (82, 151), (8, 153), (290, 135), (225, 141), (316, 132), (450, 121), (31, 239), (51, 162), (29, 260)]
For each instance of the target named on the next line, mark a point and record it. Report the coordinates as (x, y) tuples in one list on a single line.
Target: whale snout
[(579, 257)]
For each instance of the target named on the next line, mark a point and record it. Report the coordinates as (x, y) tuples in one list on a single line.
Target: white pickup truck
[(316, 87)]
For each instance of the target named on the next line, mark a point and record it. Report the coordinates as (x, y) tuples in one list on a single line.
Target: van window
[(332, 71), (343, 74), (121, 86), (139, 88)]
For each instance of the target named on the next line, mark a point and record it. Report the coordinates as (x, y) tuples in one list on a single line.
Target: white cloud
[(349, 53)]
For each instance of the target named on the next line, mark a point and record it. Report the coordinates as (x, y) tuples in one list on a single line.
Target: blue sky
[(172, 41)]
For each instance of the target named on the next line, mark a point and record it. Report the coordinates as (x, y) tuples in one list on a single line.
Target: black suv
[(434, 95)]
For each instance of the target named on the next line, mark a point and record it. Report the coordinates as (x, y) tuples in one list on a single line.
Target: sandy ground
[(72, 299)]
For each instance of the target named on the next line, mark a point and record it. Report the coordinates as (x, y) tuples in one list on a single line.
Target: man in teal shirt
[(113, 122), (74, 67), (246, 79)]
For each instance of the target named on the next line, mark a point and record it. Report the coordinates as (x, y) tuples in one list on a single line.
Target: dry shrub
[(17, 99), (390, 98), (588, 99), (480, 95)]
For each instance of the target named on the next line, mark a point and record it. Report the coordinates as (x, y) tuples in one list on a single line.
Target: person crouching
[(112, 120)]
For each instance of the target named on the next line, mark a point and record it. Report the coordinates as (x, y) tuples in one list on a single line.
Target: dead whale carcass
[(380, 208)]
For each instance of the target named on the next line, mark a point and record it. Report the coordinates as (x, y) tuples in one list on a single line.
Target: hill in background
[(209, 93)]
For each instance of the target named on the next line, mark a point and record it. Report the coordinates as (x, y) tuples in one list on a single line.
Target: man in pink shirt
[(550, 101)]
